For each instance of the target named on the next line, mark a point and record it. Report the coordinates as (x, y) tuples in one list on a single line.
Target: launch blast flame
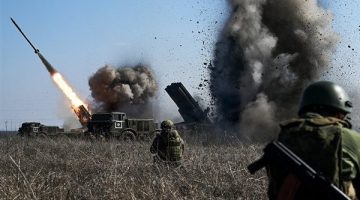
[(77, 105), (67, 90)]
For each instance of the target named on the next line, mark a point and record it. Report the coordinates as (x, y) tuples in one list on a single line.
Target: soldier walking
[(168, 146)]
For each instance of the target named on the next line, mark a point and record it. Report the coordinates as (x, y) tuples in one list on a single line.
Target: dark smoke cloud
[(268, 52), (125, 89)]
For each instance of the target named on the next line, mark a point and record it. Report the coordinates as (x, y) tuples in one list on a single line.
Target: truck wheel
[(128, 136)]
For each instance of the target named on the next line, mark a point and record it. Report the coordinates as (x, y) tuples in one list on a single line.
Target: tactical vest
[(170, 147), (317, 141)]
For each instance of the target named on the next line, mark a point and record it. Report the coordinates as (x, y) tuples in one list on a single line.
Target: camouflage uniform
[(168, 146), (326, 143), (350, 154)]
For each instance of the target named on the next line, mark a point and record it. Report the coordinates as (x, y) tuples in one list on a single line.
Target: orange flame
[(67, 90)]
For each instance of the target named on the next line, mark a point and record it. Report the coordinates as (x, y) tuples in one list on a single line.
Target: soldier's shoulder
[(353, 134), (175, 132), (351, 141), (291, 122), (157, 136), (313, 119), (351, 145)]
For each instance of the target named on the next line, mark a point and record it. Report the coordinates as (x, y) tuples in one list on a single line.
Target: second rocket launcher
[(48, 66)]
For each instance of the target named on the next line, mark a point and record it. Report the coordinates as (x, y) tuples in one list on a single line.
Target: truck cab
[(117, 125), (106, 124), (33, 129)]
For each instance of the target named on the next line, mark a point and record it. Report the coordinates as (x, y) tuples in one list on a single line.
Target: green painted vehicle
[(117, 125), (36, 129)]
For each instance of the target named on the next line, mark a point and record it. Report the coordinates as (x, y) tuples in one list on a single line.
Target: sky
[(345, 68), (78, 37), (346, 60), (175, 38)]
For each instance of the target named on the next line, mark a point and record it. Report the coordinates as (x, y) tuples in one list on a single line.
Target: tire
[(128, 136)]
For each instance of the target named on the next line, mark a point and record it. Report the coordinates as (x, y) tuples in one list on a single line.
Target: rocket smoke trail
[(268, 51), (125, 89)]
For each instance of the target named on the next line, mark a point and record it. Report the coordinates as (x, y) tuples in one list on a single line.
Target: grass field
[(64, 168)]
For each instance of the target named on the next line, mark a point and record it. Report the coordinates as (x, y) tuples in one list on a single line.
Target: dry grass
[(63, 168)]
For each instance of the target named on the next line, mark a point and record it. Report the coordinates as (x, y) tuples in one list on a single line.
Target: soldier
[(168, 146), (323, 138)]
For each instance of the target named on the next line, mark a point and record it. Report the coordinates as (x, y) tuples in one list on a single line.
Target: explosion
[(268, 52), (126, 89)]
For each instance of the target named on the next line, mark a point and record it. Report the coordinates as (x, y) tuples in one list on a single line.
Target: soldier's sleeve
[(351, 155), (154, 145)]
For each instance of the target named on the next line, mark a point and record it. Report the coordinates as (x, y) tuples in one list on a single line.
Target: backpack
[(317, 141), (172, 146)]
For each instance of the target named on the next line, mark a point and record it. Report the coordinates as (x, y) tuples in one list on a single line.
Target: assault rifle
[(278, 154)]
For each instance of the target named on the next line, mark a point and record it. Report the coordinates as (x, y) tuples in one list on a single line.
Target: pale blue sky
[(78, 37), (345, 68)]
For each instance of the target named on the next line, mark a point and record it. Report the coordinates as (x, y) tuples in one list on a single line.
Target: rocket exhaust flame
[(67, 90), (78, 106)]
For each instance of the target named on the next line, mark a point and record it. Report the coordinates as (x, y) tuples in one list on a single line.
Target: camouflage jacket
[(168, 146), (349, 164)]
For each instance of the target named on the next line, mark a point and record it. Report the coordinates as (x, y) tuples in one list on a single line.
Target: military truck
[(196, 119), (36, 129), (117, 125), (189, 109)]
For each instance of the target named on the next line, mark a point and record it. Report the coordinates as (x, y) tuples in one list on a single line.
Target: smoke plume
[(125, 89), (267, 53)]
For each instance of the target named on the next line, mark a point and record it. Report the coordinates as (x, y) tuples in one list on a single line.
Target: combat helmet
[(167, 124), (325, 93)]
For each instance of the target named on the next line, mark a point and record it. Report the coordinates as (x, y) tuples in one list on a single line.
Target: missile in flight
[(48, 66)]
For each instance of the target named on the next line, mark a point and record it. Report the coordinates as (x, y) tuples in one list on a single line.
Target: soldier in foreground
[(168, 146), (322, 138)]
